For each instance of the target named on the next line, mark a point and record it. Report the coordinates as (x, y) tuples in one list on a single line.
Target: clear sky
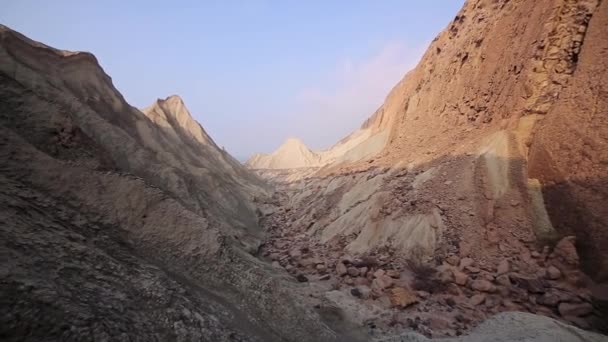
[(252, 72)]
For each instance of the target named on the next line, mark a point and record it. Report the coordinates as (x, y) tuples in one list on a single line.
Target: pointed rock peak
[(294, 142), (176, 99)]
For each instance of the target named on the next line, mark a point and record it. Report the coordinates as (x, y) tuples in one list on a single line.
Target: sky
[(252, 72)]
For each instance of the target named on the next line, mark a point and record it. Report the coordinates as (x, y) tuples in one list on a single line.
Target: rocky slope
[(495, 152), (123, 225)]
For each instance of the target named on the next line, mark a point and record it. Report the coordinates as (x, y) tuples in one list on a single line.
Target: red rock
[(548, 299), (503, 267), (460, 278), (361, 281), (382, 283), (472, 269), (393, 274), (341, 269), (477, 299), (575, 309), (528, 283), (553, 273), (401, 297), (483, 286), (566, 250), (379, 273), (453, 260), (465, 262), (353, 271)]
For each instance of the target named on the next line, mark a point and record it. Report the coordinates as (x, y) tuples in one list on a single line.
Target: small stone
[(349, 281), (401, 297), (275, 256), (553, 273), (503, 280), (477, 299), (530, 284), (393, 274), (355, 292), (363, 271), (321, 268), (472, 269), (381, 283), (460, 278), (483, 286), (566, 250), (548, 299), (503, 267), (276, 264), (575, 309), (341, 269), (379, 273), (353, 271), (453, 260), (301, 278), (514, 203), (465, 262), (535, 254)]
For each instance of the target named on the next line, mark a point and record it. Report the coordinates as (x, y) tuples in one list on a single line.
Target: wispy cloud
[(350, 93)]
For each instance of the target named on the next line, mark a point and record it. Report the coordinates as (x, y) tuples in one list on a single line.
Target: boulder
[(565, 250), (483, 286), (460, 278), (353, 271), (402, 297), (465, 262), (529, 283), (477, 299), (379, 273), (381, 283), (553, 273), (503, 267)]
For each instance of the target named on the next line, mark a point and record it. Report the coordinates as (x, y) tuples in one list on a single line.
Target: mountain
[(469, 206), (491, 150), (123, 224), (292, 154)]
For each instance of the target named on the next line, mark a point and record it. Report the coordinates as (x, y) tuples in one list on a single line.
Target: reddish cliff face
[(535, 70), (569, 151)]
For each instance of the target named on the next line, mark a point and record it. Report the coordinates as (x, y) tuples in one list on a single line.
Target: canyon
[(469, 207)]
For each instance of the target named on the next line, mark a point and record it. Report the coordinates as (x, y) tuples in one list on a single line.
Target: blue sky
[(252, 72)]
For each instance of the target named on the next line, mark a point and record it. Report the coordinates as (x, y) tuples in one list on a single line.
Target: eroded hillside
[(494, 166), (459, 209)]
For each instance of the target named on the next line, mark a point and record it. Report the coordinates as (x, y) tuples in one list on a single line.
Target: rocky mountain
[(293, 154), (468, 206), (493, 154), (118, 224)]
